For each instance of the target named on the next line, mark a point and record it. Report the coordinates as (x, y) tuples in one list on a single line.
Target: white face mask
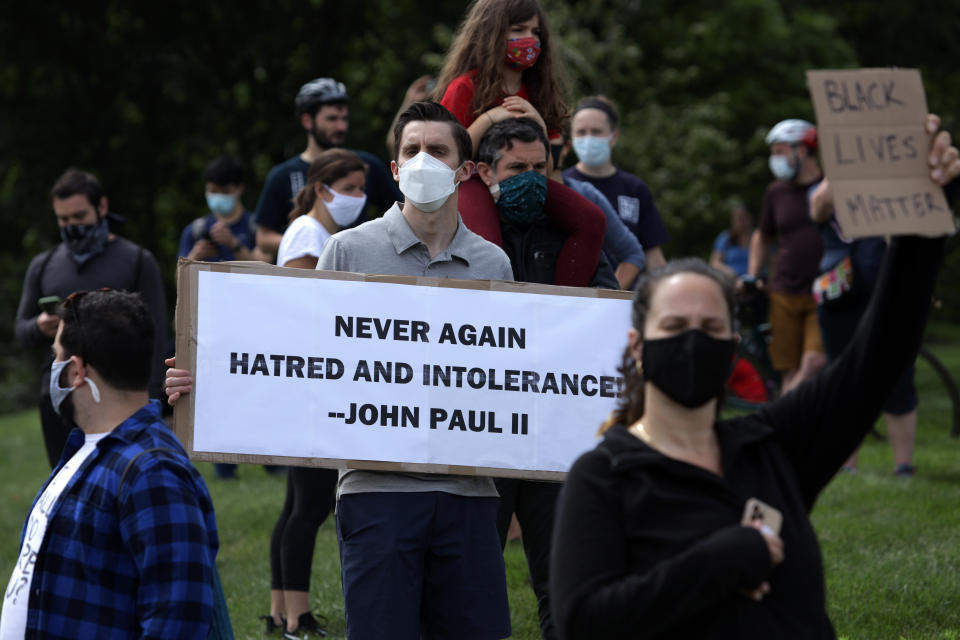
[(344, 209), (58, 394), (780, 168), (426, 182)]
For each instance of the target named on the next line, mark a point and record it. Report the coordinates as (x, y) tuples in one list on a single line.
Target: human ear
[(635, 343), (78, 373), (322, 192), (466, 170), (306, 121), (485, 172), (395, 170)]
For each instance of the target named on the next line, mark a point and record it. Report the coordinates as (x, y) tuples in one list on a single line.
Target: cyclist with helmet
[(796, 349), (322, 108)]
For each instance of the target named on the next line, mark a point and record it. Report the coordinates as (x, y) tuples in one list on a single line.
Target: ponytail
[(303, 202)]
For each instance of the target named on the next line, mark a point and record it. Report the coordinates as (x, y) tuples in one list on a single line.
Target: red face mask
[(522, 53)]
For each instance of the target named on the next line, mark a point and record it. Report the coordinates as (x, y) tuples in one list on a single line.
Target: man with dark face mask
[(324, 114), (89, 257), (512, 162)]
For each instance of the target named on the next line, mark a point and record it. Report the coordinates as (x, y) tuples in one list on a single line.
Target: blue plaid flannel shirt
[(134, 565)]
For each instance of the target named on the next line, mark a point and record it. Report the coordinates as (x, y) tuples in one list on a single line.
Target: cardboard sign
[(874, 147), (343, 370)]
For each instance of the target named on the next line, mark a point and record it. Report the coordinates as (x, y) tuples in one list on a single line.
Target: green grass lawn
[(891, 547)]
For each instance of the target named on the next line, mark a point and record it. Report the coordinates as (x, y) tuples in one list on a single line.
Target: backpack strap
[(220, 625), (197, 227), (126, 469), (43, 266)]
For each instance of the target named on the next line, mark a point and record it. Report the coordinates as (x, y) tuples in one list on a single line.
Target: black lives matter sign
[(874, 146)]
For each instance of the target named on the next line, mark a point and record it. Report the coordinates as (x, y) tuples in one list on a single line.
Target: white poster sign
[(494, 378)]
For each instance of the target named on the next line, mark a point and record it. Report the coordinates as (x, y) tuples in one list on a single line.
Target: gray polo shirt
[(388, 245)]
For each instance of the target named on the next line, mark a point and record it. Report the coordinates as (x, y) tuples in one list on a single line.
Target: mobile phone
[(49, 304), (758, 510)]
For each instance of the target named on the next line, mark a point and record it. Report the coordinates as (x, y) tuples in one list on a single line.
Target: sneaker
[(307, 627), (270, 627), (904, 470)]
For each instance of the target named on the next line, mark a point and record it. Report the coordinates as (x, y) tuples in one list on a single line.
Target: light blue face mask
[(780, 167), (221, 204), (592, 151), (58, 394)]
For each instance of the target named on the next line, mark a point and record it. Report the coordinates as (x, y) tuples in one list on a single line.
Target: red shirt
[(458, 98)]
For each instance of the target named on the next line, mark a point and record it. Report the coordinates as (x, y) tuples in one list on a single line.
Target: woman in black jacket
[(648, 539)]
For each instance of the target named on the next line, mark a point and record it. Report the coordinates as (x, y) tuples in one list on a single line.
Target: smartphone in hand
[(49, 304), (757, 510)]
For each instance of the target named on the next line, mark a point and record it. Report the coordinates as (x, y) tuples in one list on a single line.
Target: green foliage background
[(145, 94)]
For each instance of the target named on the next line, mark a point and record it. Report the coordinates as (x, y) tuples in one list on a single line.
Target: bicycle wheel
[(949, 383)]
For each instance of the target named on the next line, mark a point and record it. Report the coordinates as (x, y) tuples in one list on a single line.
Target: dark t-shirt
[(786, 219), (242, 229), (632, 199), (287, 178)]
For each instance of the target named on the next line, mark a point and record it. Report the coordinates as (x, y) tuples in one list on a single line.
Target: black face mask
[(690, 367), (85, 240)]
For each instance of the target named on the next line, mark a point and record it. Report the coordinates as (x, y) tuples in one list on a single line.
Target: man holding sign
[(419, 552)]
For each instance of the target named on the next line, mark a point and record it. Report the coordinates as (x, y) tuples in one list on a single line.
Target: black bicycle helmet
[(319, 91)]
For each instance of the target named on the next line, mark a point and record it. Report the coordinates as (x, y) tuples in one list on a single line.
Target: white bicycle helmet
[(792, 131)]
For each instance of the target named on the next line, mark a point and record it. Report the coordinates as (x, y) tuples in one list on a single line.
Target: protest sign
[(392, 372), (874, 146)]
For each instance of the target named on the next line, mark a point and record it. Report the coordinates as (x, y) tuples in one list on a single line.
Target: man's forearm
[(758, 253)]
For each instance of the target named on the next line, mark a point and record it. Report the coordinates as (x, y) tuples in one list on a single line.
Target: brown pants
[(793, 323)]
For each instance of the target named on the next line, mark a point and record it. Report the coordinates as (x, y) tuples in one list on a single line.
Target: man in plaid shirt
[(121, 540)]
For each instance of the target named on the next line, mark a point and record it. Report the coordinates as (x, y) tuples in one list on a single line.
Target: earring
[(638, 366)]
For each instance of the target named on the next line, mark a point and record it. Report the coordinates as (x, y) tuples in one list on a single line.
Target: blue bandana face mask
[(522, 197)]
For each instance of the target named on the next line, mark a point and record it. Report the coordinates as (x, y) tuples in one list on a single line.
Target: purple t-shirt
[(786, 220), (633, 201)]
